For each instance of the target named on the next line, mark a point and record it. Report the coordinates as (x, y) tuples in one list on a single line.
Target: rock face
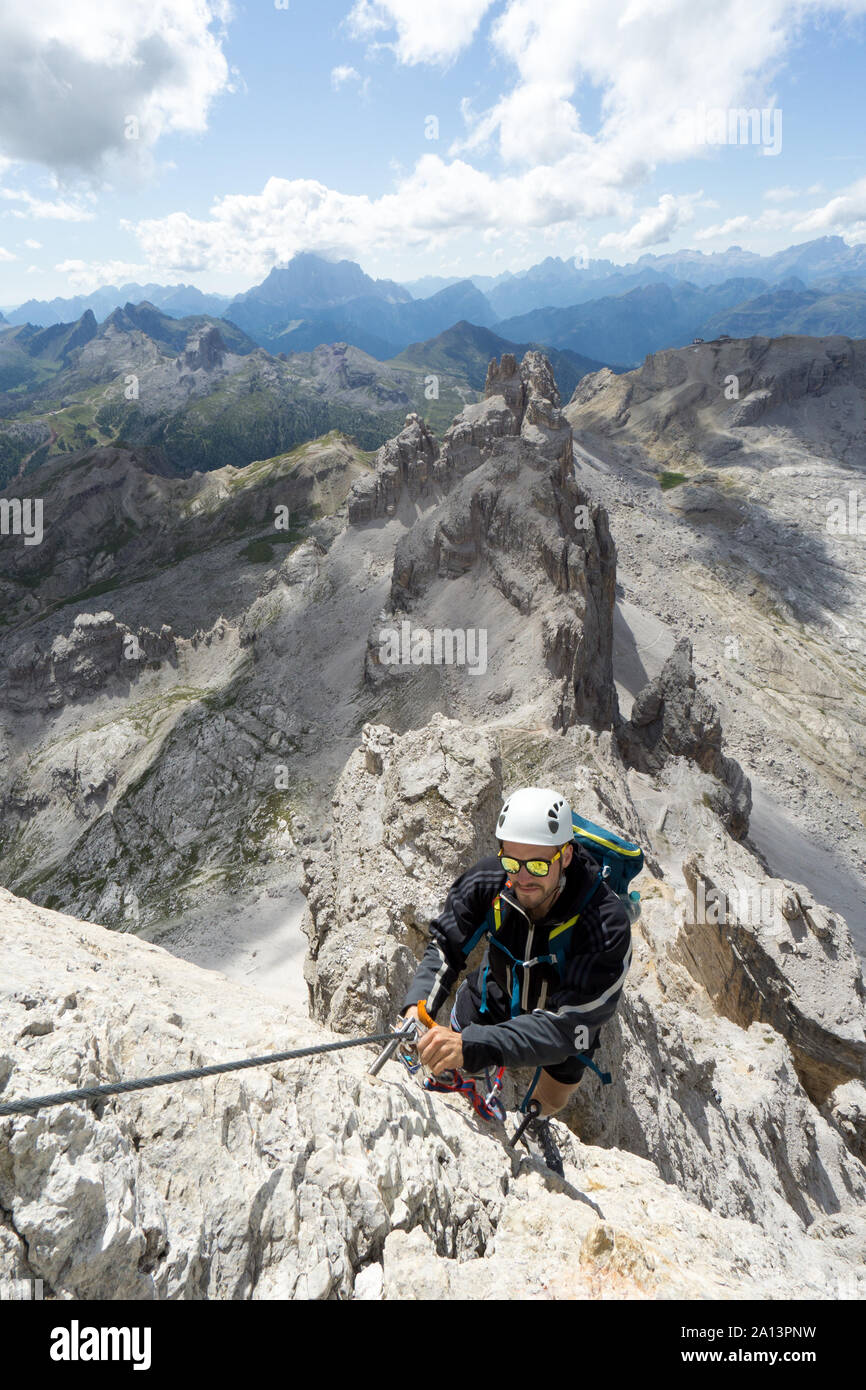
[(427, 805), (502, 512), (112, 520), (407, 461), (794, 973), (677, 403), (97, 650), (672, 718), (518, 401), (694, 490), (310, 1180), (204, 351)]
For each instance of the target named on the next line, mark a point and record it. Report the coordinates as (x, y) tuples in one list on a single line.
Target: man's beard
[(536, 905)]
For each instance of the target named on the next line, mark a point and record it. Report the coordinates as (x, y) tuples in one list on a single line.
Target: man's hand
[(440, 1049)]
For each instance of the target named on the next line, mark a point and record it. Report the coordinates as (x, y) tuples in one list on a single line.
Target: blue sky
[(562, 130)]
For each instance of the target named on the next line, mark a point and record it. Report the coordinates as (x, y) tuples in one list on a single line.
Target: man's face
[(533, 893)]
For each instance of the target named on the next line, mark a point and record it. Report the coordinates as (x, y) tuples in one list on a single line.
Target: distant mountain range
[(176, 300), (206, 395), (557, 283), (602, 312)]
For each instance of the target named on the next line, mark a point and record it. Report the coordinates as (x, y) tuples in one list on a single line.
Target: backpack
[(619, 860)]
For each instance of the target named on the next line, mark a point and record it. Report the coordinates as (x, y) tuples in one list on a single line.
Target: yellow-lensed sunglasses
[(539, 868)]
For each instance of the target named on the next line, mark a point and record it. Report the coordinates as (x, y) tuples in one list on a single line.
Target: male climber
[(558, 953)]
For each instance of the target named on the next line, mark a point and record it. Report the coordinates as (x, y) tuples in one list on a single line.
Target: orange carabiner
[(423, 1014)]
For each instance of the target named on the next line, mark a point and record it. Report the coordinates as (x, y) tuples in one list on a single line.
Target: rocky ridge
[(720, 462), (502, 509)]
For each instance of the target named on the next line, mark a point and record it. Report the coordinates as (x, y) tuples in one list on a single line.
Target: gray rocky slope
[(766, 535), (727, 1156)]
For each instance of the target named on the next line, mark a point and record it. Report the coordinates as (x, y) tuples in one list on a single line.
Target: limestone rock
[(671, 717), (761, 961), (204, 350), (846, 1109), (310, 1180), (408, 813), (405, 462), (99, 649)]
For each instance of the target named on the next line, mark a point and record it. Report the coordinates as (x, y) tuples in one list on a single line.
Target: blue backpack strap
[(527, 1097), (492, 922), (474, 940), (588, 1062)]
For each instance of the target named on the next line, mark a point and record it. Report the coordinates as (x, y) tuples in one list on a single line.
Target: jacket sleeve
[(454, 933), (588, 997)]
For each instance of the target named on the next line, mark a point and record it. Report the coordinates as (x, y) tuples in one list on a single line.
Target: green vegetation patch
[(259, 551)]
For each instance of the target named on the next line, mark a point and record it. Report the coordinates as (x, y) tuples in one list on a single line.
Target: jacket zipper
[(509, 970)]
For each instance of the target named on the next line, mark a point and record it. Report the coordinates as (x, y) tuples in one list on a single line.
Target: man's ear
[(567, 852)]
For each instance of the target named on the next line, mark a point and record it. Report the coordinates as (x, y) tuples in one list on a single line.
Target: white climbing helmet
[(535, 816)]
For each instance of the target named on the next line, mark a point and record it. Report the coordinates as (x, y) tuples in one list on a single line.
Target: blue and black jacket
[(540, 982)]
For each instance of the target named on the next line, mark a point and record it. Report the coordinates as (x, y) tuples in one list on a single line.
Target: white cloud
[(655, 225), (781, 195), (426, 33), (72, 75), (7, 255), (653, 60), (770, 220), (61, 210), (341, 75), (84, 276), (248, 233), (848, 209), (725, 229), (31, 244), (650, 60)]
